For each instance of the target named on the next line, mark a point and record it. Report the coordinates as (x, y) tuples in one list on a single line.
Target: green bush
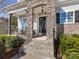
[(2, 47), (75, 35), (20, 40), (9, 41), (70, 46)]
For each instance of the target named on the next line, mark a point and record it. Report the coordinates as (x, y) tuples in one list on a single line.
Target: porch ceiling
[(20, 13)]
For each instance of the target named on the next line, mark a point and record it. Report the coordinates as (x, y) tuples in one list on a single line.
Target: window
[(70, 17), (63, 17), (77, 16), (57, 17), (66, 17), (23, 23)]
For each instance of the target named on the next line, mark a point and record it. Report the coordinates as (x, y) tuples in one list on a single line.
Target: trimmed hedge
[(2, 48), (70, 46), (9, 41)]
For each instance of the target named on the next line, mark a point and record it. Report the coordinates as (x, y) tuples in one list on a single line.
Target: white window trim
[(74, 16), (67, 17)]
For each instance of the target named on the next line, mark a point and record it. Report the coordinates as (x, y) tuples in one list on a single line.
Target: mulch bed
[(10, 53)]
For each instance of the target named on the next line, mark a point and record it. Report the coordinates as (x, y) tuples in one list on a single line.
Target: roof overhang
[(19, 12), (15, 7)]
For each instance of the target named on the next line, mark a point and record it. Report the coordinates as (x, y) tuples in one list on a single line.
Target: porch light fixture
[(42, 9)]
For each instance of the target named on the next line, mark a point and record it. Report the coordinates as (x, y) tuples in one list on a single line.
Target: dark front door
[(42, 25)]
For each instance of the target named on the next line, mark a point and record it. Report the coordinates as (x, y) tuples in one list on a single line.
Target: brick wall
[(68, 28)]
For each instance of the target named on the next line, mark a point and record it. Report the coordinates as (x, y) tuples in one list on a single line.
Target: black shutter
[(77, 16), (58, 18)]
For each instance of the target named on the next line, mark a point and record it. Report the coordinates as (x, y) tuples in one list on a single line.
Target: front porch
[(38, 27), (39, 23), (37, 19)]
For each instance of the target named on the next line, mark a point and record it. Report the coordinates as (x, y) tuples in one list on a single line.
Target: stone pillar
[(51, 23), (30, 24), (51, 19), (9, 23)]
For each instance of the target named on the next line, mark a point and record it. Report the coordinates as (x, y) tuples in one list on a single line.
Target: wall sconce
[(42, 9)]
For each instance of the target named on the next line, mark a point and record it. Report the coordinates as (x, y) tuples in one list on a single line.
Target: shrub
[(20, 40), (75, 35), (70, 46), (9, 41), (2, 47)]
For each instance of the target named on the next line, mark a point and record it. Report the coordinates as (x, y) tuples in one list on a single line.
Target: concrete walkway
[(39, 48), (23, 56)]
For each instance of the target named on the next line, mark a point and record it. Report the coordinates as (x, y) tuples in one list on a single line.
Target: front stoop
[(42, 49), (37, 49)]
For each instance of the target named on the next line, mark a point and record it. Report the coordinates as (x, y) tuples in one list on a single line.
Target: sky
[(5, 3)]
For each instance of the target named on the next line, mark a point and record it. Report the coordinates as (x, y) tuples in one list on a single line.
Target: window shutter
[(77, 16), (58, 18)]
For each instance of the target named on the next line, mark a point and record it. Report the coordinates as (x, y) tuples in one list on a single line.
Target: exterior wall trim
[(18, 10)]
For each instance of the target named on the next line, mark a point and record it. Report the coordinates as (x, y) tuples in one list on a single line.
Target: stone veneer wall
[(50, 21), (68, 29), (50, 15)]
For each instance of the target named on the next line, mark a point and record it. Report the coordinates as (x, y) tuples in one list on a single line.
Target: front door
[(42, 25)]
